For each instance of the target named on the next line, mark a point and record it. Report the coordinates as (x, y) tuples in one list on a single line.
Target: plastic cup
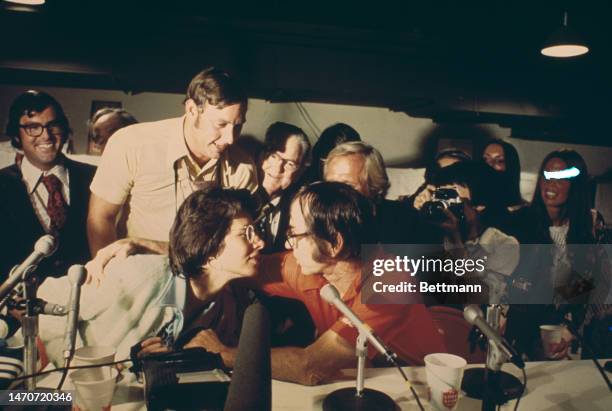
[(92, 394), (92, 356), (444, 374), (551, 337)]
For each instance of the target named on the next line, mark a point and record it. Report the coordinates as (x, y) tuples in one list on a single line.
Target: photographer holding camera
[(456, 200)]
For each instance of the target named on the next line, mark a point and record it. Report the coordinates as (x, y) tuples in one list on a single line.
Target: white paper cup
[(92, 394), (444, 374), (551, 336), (95, 355)]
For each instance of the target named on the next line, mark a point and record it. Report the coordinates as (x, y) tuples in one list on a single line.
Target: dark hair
[(201, 224), (217, 88), (277, 135), (122, 117), (434, 167), (512, 175), (332, 208), (578, 206), (484, 184), (28, 104), (331, 137)]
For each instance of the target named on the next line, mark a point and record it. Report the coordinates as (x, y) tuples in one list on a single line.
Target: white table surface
[(551, 386)]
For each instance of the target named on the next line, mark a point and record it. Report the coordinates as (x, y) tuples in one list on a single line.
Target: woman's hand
[(153, 345), (208, 340)]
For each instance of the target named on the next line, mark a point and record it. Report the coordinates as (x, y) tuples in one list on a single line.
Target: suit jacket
[(20, 227), (277, 244)]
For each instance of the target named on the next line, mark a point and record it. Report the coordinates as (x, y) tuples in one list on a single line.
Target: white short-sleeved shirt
[(145, 164)]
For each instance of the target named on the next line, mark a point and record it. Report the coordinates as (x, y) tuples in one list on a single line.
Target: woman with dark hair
[(212, 243), (503, 158), (562, 200), (573, 270), (173, 298)]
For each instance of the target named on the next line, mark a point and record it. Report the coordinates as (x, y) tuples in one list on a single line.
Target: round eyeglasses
[(251, 233)]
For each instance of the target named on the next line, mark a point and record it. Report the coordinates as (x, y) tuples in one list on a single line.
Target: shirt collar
[(177, 148), (32, 174)]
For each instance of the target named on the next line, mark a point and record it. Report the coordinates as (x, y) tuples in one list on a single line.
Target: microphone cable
[(416, 397), (65, 369), (64, 373), (522, 390)]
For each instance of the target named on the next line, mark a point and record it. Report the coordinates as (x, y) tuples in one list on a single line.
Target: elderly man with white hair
[(361, 166)]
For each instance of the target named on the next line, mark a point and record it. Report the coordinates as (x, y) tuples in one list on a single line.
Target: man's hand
[(121, 249), (208, 340), (424, 196)]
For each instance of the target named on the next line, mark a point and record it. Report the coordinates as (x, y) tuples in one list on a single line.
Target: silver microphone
[(76, 276), (53, 309), (44, 247), (330, 294), (473, 315)]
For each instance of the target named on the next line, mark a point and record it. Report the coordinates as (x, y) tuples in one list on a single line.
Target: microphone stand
[(29, 328), (360, 398), (490, 384), (570, 326)]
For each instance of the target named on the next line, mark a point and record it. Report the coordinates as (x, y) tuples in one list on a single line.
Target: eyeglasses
[(288, 165), (36, 129), (251, 233), (293, 237)]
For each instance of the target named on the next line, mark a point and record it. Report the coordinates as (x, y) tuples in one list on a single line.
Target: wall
[(401, 139)]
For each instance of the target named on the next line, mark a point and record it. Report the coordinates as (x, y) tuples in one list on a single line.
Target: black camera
[(443, 199)]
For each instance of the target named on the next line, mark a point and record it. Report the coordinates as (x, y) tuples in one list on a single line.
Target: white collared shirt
[(39, 196)]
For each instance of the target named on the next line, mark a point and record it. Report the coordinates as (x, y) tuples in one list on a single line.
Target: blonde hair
[(374, 172)]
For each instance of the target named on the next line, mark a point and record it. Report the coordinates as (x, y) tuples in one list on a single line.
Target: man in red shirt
[(328, 224)]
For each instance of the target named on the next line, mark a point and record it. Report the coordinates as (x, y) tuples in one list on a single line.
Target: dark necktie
[(56, 206)]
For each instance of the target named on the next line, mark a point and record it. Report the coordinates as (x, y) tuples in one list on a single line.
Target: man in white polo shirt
[(155, 166)]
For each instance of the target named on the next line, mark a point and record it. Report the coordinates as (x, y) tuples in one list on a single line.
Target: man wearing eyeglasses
[(46, 193), (154, 166), (329, 223)]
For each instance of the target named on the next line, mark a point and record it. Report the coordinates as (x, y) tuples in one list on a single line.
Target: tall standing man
[(154, 166)]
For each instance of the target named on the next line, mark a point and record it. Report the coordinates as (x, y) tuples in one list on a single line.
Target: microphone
[(44, 247), (52, 309), (251, 386), (76, 276), (474, 316), (330, 294), (40, 307)]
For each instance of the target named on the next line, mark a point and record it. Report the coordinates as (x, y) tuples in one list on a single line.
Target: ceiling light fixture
[(564, 43), (27, 2)]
